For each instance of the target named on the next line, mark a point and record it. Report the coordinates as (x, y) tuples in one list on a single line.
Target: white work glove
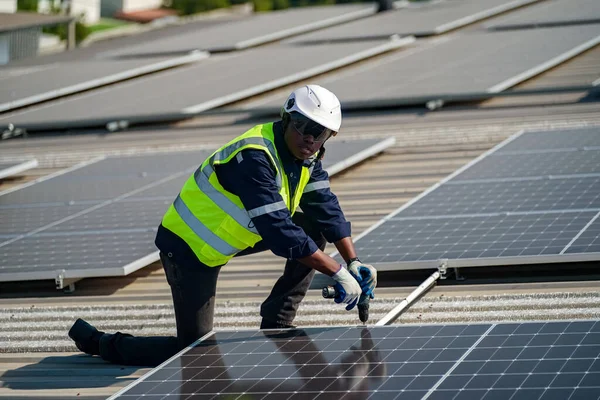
[(347, 288), (366, 275)]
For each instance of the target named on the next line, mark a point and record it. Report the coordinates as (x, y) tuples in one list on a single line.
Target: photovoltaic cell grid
[(101, 219), (95, 218), (533, 164), (545, 360), (472, 237), (535, 198), (584, 138)]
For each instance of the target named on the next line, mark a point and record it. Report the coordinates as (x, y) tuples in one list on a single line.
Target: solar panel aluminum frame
[(53, 175), (18, 168), (445, 263), (64, 277), (469, 19), (360, 156)]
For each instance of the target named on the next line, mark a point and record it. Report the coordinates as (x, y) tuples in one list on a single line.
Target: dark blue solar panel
[(532, 164), (537, 194), (404, 362)]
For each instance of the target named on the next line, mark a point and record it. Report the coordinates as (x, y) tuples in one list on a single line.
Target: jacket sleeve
[(320, 205), (251, 177)]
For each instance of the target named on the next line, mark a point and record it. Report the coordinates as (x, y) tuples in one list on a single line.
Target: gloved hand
[(366, 275), (347, 288)]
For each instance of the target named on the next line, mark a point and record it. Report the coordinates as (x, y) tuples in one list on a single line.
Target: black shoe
[(86, 337)]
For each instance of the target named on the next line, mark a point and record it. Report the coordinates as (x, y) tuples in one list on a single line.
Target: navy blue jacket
[(251, 177)]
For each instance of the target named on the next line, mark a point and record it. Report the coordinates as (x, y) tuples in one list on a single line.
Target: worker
[(241, 200)]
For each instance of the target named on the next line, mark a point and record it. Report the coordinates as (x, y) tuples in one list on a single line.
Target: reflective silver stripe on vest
[(202, 231), (269, 208), (230, 208), (229, 150), (311, 187)]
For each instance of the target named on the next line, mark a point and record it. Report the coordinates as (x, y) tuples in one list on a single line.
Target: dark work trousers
[(193, 290)]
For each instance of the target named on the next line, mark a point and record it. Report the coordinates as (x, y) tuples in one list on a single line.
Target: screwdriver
[(329, 292)]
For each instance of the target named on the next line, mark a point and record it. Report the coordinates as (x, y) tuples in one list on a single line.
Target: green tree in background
[(187, 7), (27, 5)]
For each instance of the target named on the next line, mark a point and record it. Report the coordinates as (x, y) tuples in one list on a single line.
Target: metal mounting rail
[(420, 290)]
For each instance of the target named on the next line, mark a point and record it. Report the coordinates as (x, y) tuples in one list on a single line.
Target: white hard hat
[(317, 104)]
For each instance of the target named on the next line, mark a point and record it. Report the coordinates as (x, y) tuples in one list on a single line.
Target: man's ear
[(334, 134)]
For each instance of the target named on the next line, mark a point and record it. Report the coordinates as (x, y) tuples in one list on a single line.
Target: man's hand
[(366, 275), (347, 288)]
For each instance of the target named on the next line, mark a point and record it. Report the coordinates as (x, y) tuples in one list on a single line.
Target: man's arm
[(322, 206), (252, 178)]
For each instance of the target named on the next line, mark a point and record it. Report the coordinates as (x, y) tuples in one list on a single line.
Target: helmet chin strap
[(319, 156)]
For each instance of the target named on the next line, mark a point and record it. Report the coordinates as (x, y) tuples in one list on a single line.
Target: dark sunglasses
[(305, 126)]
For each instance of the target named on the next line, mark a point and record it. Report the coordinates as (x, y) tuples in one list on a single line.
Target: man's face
[(304, 137), (301, 146)]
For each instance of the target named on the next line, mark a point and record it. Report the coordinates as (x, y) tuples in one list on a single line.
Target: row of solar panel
[(398, 75), (100, 219)]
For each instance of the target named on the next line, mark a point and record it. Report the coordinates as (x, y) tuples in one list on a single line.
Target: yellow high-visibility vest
[(211, 220)]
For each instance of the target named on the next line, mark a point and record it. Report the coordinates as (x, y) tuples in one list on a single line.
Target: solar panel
[(90, 221), (552, 12), (536, 164), (537, 194), (484, 361), (559, 139), (28, 85), (271, 68), (258, 29), (453, 68), (526, 201), (478, 237), (428, 18), (16, 167), (69, 223)]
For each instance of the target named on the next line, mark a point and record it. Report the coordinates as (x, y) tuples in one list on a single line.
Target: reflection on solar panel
[(533, 199), (422, 19), (259, 29), (24, 86), (453, 68), (554, 12), (545, 360), (100, 219), (16, 167), (146, 96)]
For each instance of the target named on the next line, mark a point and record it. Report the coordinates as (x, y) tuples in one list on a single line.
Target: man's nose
[(309, 139)]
